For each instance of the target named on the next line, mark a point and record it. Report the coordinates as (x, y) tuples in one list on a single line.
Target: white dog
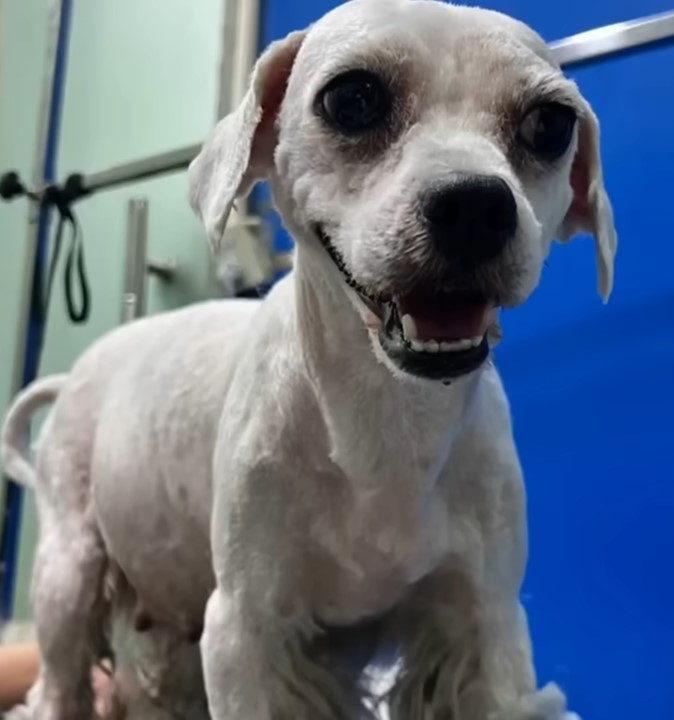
[(339, 455)]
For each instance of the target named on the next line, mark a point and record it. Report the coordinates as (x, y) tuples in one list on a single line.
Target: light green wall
[(23, 32), (143, 77)]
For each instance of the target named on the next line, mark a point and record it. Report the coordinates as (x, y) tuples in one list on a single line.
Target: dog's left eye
[(355, 102), (547, 130)]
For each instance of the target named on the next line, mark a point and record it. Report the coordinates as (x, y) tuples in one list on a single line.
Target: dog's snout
[(471, 217)]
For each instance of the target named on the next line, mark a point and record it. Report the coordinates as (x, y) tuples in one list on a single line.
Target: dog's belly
[(156, 524), (151, 466), (164, 555)]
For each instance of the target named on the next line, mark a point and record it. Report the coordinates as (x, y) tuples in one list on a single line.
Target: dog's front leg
[(466, 642), (258, 665), (467, 656), (235, 651), (259, 631), (505, 680), (244, 628)]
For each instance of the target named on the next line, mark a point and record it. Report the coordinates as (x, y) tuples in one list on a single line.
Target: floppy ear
[(590, 210), (240, 150)]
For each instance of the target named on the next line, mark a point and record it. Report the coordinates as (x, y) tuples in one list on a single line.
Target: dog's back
[(130, 431), (134, 421), (152, 451)]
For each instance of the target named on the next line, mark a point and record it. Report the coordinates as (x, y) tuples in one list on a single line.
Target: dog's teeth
[(434, 346), (409, 327), (454, 345)]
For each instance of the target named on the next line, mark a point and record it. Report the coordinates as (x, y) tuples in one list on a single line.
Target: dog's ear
[(240, 150), (590, 210)]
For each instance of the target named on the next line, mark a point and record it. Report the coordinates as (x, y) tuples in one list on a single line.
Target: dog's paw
[(20, 712), (549, 703)]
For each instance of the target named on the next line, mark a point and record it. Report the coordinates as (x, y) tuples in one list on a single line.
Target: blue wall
[(592, 391)]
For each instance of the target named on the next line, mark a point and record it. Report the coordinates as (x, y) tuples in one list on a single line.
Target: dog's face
[(434, 152)]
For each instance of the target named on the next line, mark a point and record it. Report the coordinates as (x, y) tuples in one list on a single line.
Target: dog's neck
[(375, 417)]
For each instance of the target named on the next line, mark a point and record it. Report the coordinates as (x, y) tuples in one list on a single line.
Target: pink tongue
[(445, 317)]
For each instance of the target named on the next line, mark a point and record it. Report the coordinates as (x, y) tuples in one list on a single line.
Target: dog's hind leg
[(69, 605), (69, 610)]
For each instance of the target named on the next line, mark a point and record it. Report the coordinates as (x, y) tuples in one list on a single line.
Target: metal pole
[(34, 211), (29, 326), (612, 39), (240, 47), (133, 305), (148, 167), (229, 35), (246, 49)]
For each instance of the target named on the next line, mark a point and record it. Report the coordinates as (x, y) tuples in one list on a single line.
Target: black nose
[(471, 217)]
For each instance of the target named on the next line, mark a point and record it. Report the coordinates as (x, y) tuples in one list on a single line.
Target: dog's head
[(431, 153)]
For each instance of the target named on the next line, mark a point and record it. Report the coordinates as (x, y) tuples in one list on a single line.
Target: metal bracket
[(136, 265), (164, 271), (247, 260)]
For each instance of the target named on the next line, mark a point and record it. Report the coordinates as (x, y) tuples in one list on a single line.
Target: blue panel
[(592, 391), (556, 20)]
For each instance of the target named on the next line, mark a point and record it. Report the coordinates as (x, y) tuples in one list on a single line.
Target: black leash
[(75, 279)]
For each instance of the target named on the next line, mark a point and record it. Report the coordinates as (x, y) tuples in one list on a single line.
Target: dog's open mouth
[(436, 335), (430, 334)]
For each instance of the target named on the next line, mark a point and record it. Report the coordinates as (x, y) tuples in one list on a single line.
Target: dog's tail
[(15, 438)]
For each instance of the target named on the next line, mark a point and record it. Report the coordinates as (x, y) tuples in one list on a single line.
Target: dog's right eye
[(547, 130), (355, 102)]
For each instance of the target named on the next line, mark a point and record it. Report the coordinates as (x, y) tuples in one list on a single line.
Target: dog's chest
[(373, 548), (377, 520)]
